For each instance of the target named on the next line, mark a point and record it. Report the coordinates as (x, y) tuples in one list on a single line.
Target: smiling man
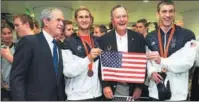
[(81, 61), (37, 69), (163, 42), (125, 40)]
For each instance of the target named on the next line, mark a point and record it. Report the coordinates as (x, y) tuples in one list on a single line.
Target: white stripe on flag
[(133, 60), (134, 55)]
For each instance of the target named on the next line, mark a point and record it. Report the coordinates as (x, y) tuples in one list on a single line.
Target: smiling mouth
[(167, 19), (85, 24), (122, 24)]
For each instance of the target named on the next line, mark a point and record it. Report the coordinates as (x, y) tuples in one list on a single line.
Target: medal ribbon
[(165, 53), (91, 45)]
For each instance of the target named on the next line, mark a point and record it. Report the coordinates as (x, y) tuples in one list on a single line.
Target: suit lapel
[(131, 42), (113, 42), (45, 47), (46, 52)]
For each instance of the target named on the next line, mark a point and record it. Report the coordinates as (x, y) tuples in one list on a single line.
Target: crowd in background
[(28, 63)]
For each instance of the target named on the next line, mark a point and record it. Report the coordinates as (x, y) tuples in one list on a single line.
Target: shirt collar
[(118, 36), (168, 33), (48, 37)]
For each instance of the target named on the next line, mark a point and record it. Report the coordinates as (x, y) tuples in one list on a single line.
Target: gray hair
[(114, 8), (47, 14)]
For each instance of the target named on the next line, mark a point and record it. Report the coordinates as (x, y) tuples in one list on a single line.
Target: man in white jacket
[(195, 77), (165, 42), (80, 61), (177, 69)]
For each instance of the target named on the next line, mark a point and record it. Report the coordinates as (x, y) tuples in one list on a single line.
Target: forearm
[(152, 67), (180, 61), (10, 58), (74, 65)]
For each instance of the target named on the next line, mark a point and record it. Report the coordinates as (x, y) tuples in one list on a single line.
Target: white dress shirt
[(122, 42), (50, 39), (122, 89)]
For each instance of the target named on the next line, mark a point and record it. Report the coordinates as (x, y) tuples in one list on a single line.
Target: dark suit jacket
[(32, 74), (195, 85), (136, 43)]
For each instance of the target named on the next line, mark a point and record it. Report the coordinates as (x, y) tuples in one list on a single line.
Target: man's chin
[(122, 28), (57, 34), (168, 25), (85, 28)]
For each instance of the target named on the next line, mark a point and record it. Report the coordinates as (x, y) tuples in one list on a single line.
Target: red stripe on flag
[(135, 58), (134, 53), (122, 76), (123, 71), (120, 80)]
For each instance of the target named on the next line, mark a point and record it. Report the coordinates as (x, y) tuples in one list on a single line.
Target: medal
[(164, 53), (90, 65), (90, 73), (164, 70)]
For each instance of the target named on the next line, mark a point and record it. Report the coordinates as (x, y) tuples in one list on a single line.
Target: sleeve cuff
[(163, 63)]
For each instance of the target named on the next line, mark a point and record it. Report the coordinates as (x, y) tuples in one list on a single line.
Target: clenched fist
[(108, 92), (154, 55)]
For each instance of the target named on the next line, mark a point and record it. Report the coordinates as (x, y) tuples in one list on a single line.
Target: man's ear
[(46, 22), (27, 24)]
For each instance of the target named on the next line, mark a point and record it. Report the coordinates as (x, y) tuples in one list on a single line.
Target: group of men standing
[(42, 71)]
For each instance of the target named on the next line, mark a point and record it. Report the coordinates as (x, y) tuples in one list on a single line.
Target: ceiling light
[(145, 1)]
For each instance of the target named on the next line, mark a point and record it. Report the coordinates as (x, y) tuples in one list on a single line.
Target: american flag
[(123, 66)]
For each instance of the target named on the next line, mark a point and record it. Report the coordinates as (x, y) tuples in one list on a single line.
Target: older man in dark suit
[(121, 39), (36, 74)]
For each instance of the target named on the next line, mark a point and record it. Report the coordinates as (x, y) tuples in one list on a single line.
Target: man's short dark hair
[(67, 22), (102, 28), (144, 22), (36, 23), (25, 19), (133, 25), (165, 2)]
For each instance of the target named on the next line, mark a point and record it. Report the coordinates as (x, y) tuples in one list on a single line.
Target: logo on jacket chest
[(79, 48), (173, 43)]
